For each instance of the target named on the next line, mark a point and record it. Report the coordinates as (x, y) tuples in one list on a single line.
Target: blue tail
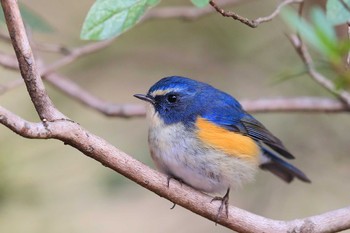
[(281, 168)]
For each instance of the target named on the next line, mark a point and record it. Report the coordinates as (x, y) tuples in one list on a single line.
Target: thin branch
[(255, 22), (298, 104), (314, 74), (75, 54), (239, 220), (157, 13), (109, 109), (52, 48), (67, 86), (305, 104), (185, 12), (29, 71)]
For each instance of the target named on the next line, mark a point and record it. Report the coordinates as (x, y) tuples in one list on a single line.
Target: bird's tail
[(281, 168)]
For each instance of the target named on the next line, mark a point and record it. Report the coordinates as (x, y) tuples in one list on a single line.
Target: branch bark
[(254, 22), (26, 61), (185, 12)]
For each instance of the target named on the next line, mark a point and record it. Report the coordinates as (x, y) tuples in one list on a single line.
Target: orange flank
[(229, 142)]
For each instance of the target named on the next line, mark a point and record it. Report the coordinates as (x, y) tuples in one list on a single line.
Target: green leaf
[(337, 13), (321, 34), (323, 24), (326, 33), (31, 19), (303, 27), (200, 3), (110, 18)]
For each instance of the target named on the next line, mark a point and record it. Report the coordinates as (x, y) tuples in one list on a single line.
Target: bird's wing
[(226, 112), (250, 126), (237, 120)]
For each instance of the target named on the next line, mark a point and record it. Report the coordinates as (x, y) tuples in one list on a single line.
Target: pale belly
[(178, 153)]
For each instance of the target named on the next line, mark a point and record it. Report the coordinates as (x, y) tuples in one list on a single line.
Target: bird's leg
[(168, 184), (173, 178), (224, 203)]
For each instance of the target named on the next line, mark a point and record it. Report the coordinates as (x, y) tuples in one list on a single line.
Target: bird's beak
[(147, 98)]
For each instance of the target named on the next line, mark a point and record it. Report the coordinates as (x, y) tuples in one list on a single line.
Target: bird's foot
[(168, 184), (224, 204)]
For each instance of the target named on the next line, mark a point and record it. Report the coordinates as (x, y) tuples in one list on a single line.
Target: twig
[(109, 109), (98, 149), (52, 48), (305, 104), (185, 12), (75, 54), (159, 13), (316, 76), (255, 22), (67, 86)]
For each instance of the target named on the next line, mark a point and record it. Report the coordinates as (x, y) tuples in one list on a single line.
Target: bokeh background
[(46, 186)]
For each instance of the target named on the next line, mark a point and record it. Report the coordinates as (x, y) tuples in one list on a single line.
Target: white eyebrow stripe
[(164, 92)]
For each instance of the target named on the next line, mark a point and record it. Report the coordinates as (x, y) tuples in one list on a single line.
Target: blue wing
[(226, 112)]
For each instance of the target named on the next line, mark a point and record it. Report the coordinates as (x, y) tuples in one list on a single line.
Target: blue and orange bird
[(202, 137)]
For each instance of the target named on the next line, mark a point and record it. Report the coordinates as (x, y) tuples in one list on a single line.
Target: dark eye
[(172, 98)]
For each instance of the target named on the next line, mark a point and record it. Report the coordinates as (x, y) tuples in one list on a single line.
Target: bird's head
[(178, 99)]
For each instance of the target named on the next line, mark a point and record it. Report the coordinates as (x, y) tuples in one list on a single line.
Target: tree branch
[(314, 74), (185, 12), (305, 104), (27, 66), (255, 22), (76, 53), (95, 147), (109, 109)]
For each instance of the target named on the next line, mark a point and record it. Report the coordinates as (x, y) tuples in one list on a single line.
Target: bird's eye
[(172, 98)]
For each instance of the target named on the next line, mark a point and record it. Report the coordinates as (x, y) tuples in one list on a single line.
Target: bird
[(203, 137)]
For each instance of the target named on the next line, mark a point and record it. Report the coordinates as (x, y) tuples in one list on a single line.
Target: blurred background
[(46, 186)]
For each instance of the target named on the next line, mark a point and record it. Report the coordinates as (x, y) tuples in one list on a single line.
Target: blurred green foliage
[(320, 34)]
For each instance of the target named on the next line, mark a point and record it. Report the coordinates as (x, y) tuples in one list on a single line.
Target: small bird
[(202, 137)]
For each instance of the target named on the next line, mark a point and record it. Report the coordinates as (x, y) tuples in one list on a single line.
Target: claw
[(174, 204), (168, 184), (224, 203)]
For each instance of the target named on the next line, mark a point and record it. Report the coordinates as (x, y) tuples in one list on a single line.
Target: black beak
[(147, 98)]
